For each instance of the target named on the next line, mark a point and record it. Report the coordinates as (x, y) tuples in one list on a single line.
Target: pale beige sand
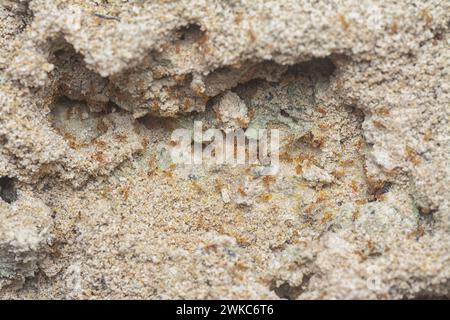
[(91, 205)]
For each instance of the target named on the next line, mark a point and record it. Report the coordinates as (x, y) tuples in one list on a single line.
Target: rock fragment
[(231, 112), (25, 236)]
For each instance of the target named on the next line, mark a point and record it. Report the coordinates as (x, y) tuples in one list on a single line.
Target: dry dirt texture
[(91, 205)]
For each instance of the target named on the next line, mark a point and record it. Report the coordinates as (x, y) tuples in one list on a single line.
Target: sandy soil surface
[(92, 205)]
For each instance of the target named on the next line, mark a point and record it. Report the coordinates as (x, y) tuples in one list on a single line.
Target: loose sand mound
[(92, 205)]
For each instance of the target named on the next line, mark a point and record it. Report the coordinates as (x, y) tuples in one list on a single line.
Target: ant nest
[(351, 203)]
